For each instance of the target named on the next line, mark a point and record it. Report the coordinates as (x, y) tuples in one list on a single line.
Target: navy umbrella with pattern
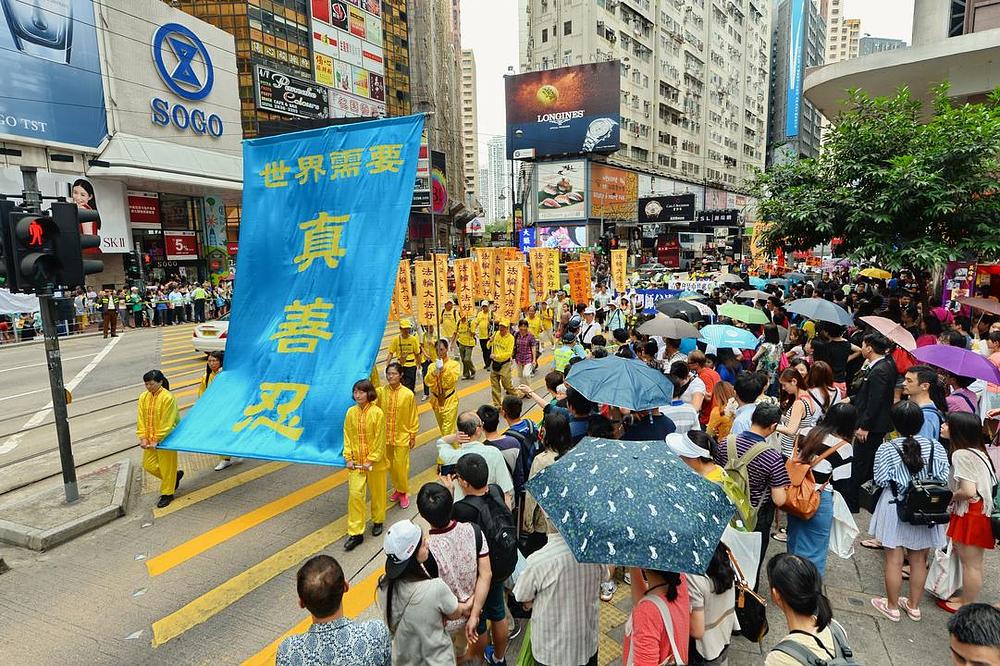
[(633, 504)]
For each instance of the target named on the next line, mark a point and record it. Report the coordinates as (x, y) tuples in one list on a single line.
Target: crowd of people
[(815, 422)]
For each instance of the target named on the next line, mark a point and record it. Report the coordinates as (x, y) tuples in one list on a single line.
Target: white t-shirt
[(498, 472), (695, 386), (417, 623)]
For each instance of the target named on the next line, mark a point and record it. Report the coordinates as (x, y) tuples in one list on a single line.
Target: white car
[(211, 336)]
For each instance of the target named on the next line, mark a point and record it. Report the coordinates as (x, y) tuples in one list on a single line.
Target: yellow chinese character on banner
[(304, 324), (346, 163), (278, 415), (384, 157), (275, 173), (322, 240), (310, 166)]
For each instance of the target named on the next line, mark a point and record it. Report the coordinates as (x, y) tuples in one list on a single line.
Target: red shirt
[(710, 378), (649, 638)]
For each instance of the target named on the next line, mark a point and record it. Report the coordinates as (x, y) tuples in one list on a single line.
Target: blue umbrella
[(633, 504), (621, 382), (757, 282), (721, 335), (820, 309)]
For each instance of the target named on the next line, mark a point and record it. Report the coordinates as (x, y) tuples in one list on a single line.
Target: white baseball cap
[(590, 310), (400, 543), (682, 446)]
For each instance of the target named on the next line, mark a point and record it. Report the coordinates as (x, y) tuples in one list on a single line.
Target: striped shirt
[(764, 472), (565, 617), (889, 467)]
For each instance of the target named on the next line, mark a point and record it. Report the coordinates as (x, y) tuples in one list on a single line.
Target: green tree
[(901, 188)]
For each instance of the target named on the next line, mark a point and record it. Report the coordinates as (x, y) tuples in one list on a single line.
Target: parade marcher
[(525, 351), (157, 418), (406, 349), (109, 313), (443, 382), (501, 348), (428, 353), (332, 639), (465, 338), (483, 324), (548, 317), (364, 453), (449, 322), (213, 366), (401, 427), (416, 601)]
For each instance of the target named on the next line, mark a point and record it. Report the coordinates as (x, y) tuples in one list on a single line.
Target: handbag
[(844, 530), (944, 577), (751, 608)]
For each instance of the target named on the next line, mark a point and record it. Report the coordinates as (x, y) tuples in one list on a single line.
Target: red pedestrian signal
[(35, 234)]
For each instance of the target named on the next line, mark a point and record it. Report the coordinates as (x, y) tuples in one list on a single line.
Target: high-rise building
[(870, 45), (842, 34), (485, 191), (498, 204), (798, 42), (470, 129), (397, 57), (693, 78)]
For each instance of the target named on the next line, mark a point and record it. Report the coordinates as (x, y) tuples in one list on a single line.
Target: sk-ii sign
[(183, 63)]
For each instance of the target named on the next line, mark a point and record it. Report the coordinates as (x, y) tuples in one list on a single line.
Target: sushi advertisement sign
[(561, 191), (564, 111)]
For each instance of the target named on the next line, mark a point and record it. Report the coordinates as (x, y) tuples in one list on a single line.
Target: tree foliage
[(898, 187)]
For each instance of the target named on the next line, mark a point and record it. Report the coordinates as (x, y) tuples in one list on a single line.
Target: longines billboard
[(565, 111)]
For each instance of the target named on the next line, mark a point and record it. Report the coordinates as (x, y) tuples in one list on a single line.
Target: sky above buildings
[(489, 28)]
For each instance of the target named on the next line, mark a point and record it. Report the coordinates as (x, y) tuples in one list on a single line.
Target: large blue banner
[(51, 73), (324, 217), (796, 62)]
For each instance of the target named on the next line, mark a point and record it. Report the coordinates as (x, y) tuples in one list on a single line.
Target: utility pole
[(32, 198)]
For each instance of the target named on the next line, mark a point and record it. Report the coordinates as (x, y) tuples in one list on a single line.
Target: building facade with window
[(470, 130)]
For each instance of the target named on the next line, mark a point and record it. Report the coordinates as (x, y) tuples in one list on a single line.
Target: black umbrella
[(673, 307)]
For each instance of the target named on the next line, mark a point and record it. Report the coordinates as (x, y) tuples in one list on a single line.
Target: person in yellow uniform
[(465, 338), (444, 396), (449, 322), (501, 348), (482, 324), (428, 341), (364, 453), (213, 366), (401, 427), (406, 350), (157, 418), (548, 320)]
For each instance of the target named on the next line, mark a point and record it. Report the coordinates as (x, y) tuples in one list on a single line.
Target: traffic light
[(33, 246), (7, 272), (72, 242)]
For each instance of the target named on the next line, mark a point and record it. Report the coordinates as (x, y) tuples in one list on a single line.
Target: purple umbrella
[(956, 360)]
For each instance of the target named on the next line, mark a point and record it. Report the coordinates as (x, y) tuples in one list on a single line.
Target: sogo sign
[(184, 65)]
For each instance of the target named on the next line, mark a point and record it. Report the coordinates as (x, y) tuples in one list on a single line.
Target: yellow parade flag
[(539, 278), (525, 286), (426, 314), (488, 267), (465, 286), (508, 305), (498, 272), (588, 288), (619, 262), (552, 266), (575, 273), (402, 295), (587, 257), (441, 279)]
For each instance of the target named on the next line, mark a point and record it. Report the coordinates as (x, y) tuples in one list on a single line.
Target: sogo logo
[(184, 65)]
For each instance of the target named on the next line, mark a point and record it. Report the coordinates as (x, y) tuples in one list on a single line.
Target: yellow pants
[(501, 378), (358, 482), (447, 416), (163, 465), (399, 468)]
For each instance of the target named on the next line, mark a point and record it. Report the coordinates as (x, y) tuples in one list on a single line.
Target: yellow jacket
[(407, 351), (364, 437), (157, 416), (400, 409), (449, 322), (483, 325), (207, 379), (442, 384), (501, 346), (548, 317), (465, 336)]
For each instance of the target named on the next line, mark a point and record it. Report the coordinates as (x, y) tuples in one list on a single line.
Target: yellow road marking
[(217, 599), (359, 597), (182, 365), (180, 554), (195, 496)]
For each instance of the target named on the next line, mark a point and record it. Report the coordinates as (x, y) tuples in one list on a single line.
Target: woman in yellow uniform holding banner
[(364, 453), (443, 379), (157, 418), (401, 427)]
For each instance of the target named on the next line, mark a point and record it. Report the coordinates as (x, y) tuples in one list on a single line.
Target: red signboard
[(181, 245), (232, 248), (143, 208)]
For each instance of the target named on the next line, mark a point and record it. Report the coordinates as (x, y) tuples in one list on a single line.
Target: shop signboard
[(181, 245), (52, 74), (564, 111), (614, 192), (214, 240), (348, 56), (144, 209), (718, 218), (666, 208), (563, 237), (561, 191), (290, 95)]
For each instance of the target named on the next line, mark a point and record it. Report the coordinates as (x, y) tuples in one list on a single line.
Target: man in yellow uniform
[(449, 322), (501, 347), (406, 350), (465, 337), (443, 379), (401, 427), (483, 323), (364, 454)]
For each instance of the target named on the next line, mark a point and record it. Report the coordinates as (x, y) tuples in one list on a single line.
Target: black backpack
[(529, 448), (497, 523), (843, 655), (923, 501)]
